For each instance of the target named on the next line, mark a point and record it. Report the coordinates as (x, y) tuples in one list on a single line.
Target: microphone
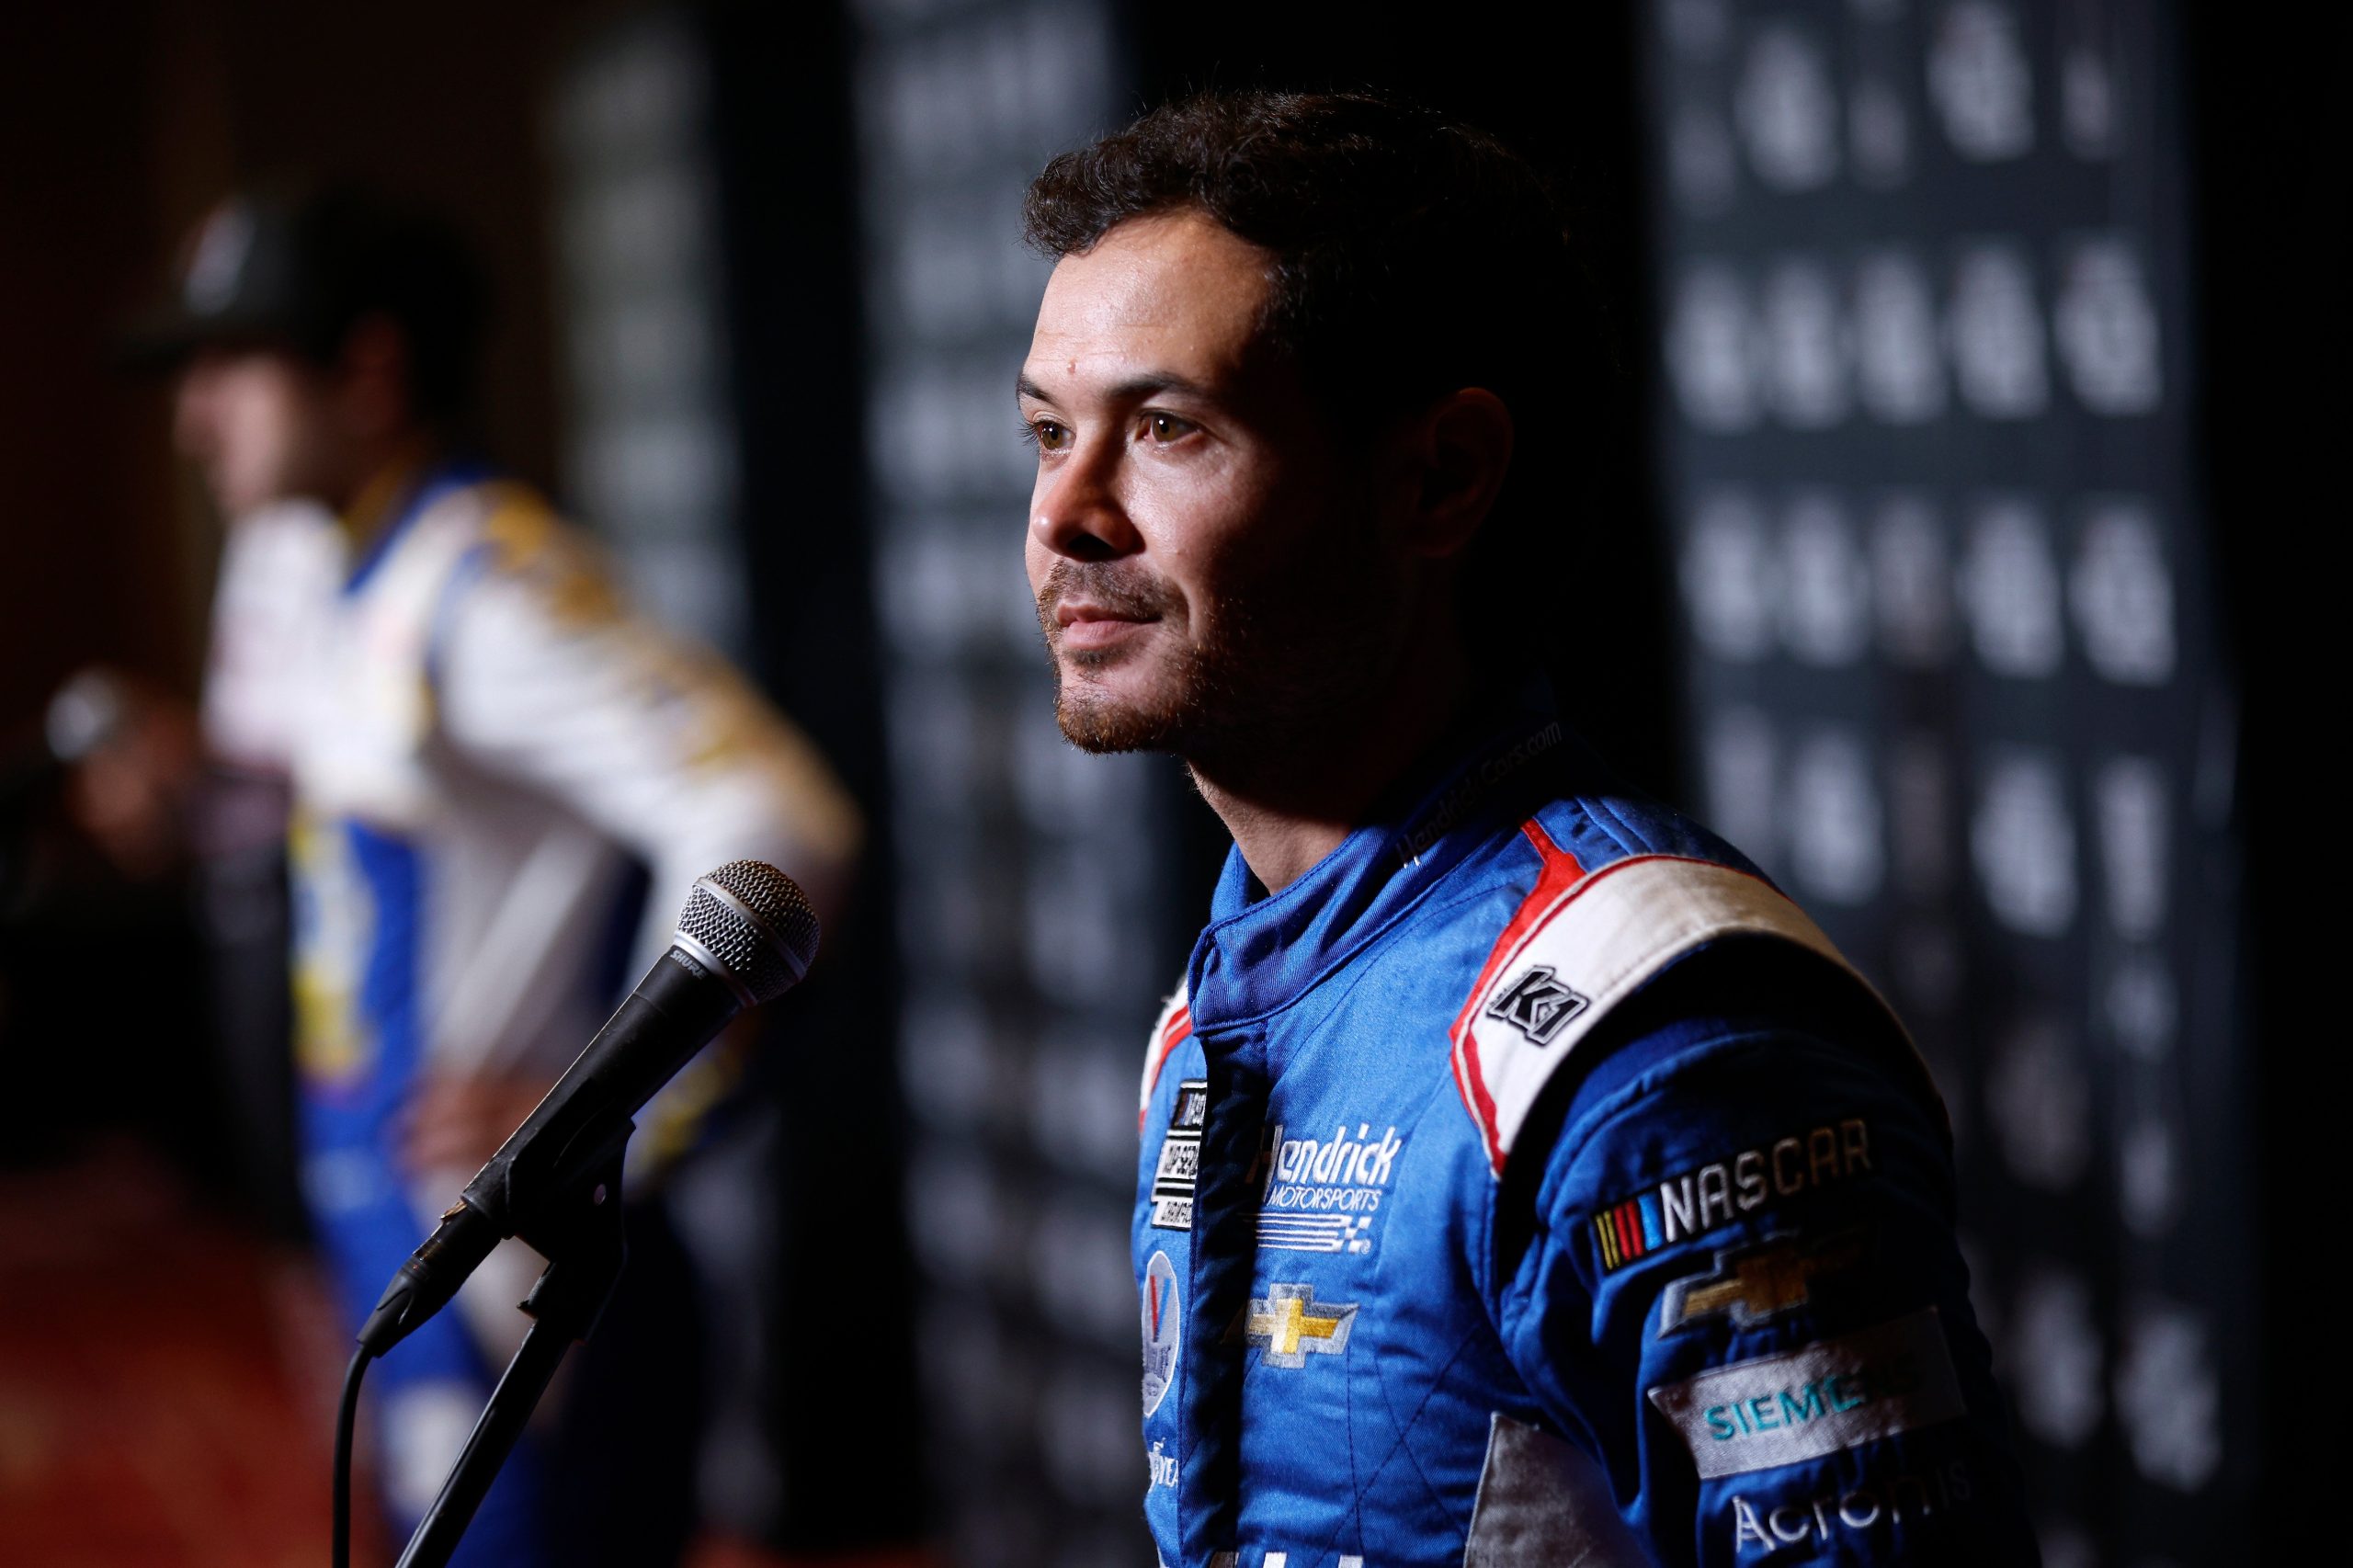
[(747, 937), (87, 712)]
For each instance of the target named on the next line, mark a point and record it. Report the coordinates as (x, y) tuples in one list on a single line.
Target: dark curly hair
[(1409, 256)]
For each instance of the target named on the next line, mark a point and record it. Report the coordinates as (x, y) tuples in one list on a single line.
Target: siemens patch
[(1833, 1395), (1715, 1195)]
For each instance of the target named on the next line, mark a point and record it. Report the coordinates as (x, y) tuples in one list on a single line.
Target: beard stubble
[(1263, 669)]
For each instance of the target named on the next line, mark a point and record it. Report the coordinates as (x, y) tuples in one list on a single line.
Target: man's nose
[(1075, 510)]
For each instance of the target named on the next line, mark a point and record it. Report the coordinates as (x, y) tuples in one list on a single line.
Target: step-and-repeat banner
[(1953, 668), (1033, 887)]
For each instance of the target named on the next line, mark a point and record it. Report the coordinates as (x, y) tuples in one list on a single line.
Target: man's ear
[(1464, 446)]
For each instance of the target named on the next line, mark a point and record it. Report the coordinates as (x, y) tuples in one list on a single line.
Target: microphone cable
[(347, 1416)]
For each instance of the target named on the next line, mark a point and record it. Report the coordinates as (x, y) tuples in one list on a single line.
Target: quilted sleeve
[(1736, 1286)]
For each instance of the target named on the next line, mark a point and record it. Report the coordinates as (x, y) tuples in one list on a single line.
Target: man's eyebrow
[(1135, 389)]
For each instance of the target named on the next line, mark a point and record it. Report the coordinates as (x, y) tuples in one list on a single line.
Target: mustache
[(1125, 591)]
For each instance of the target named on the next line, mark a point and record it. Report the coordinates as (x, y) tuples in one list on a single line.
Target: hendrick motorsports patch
[(1816, 1400), (1161, 1316), (1322, 1194)]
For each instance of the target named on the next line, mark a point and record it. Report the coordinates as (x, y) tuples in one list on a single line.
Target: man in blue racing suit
[(1524, 1178)]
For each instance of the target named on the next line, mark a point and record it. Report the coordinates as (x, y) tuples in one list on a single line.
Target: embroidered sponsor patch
[(1752, 1285), (1178, 1170), (1715, 1195), (1291, 1326), (1536, 1005), (1322, 1194), (1866, 1515), (1816, 1400), (1161, 1314), (1475, 780)]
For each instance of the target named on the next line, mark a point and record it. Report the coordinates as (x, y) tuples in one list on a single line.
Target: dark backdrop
[(1559, 87)]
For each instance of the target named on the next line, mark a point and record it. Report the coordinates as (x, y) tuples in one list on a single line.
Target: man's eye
[(1047, 435), (1167, 427)]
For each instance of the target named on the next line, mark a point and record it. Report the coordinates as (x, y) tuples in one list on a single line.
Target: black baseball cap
[(297, 269)]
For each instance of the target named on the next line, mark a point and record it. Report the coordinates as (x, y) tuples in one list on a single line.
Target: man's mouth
[(1082, 626)]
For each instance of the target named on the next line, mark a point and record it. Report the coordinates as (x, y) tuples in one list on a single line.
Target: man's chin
[(1106, 727), (1096, 719)]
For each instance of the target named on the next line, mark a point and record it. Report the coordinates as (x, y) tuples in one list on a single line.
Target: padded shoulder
[(1176, 1022), (524, 544), (1581, 944)]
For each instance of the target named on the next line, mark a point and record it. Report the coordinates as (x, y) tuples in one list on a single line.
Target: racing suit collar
[(1261, 952), (377, 505), (394, 498)]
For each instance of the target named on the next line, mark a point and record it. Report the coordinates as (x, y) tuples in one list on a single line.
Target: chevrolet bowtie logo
[(1288, 1326), (1751, 1284)]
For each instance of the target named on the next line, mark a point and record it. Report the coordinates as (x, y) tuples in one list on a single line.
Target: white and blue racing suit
[(479, 734)]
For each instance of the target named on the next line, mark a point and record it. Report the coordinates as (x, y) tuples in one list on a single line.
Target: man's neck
[(1289, 801), (382, 477)]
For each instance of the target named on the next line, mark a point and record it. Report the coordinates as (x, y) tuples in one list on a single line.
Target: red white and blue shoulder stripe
[(1581, 941), (1176, 1022)]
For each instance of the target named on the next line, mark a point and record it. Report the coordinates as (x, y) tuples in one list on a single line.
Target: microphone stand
[(582, 1239)]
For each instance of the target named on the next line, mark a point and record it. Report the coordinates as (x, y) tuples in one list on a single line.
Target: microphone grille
[(765, 951)]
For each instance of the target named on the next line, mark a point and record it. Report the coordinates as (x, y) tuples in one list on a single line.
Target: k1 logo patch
[(1162, 1315), (1536, 1005)]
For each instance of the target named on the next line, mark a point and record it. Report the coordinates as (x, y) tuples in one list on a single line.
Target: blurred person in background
[(477, 737), (197, 800), (1524, 1179)]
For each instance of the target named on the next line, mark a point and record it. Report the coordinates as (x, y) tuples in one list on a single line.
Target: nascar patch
[(1713, 1195)]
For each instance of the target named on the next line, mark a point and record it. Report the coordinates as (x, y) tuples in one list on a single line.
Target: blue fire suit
[(1532, 1182)]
